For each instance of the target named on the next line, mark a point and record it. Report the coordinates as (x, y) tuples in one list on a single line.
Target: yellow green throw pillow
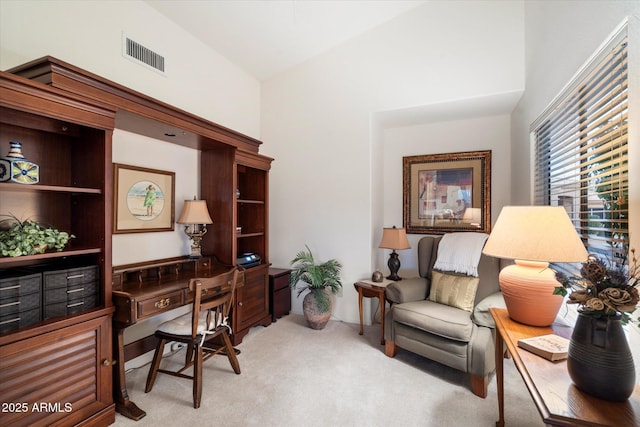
[(453, 290)]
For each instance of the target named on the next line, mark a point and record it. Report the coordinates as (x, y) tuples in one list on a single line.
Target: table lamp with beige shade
[(195, 216), (394, 239), (533, 236)]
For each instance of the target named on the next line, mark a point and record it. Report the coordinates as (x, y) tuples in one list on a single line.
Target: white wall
[(480, 133), (561, 36), (88, 34), (324, 123), (133, 149), (199, 80)]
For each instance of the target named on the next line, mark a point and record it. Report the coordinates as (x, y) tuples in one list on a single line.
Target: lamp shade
[(195, 212), (535, 233), (394, 238), (533, 236)]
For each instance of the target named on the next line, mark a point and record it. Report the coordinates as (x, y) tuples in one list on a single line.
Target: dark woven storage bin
[(55, 295), (70, 277), (14, 321), (20, 285), (19, 303), (55, 310), (76, 306), (71, 306)]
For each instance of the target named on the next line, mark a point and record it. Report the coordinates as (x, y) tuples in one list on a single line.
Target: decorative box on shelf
[(14, 167)]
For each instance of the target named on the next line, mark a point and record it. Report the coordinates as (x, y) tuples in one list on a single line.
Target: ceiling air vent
[(135, 51)]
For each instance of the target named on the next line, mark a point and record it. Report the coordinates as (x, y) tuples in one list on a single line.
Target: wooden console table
[(144, 290), (559, 402)]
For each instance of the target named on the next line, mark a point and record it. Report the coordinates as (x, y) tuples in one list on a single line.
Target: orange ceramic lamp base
[(527, 288)]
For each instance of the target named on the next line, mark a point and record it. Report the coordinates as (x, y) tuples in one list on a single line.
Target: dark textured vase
[(600, 362)]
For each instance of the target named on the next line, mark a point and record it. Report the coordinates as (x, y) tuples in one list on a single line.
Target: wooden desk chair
[(212, 300)]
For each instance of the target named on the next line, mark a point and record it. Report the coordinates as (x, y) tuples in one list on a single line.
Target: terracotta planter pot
[(316, 318)]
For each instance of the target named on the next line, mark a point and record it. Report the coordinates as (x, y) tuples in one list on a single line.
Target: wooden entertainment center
[(65, 117)]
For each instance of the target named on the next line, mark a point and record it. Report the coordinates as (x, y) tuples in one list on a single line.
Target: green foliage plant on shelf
[(29, 238), (603, 288), (315, 276)]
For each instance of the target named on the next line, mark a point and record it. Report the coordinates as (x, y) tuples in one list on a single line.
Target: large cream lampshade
[(533, 236)]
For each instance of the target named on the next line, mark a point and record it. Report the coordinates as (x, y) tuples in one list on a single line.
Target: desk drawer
[(160, 303), (281, 282), (203, 265)]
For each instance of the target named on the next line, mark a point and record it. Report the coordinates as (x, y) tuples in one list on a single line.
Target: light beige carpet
[(296, 376)]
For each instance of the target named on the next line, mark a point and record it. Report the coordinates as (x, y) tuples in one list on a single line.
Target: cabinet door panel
[(253, 300), (57, 377)]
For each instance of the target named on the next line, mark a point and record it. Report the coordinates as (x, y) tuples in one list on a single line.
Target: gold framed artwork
[(447, 192), (144, 199)]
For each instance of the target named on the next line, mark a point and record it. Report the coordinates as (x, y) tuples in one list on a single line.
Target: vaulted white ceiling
[(265, 37)]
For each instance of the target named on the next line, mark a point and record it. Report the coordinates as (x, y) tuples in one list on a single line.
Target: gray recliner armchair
[(455, 337)]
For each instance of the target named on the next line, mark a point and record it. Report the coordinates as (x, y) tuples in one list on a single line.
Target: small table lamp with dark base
[(395, 239)]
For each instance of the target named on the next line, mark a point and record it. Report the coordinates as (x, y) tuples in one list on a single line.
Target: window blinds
[(581, 159)]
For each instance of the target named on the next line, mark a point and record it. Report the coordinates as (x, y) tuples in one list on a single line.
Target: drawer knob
[(240, 303), (163, 303)]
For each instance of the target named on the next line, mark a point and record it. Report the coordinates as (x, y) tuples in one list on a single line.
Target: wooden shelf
[(240, 236), (6, 186), (255, 202), (28, 259)]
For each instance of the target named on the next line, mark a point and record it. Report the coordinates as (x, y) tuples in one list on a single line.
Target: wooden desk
[(144, 290), (371, 289), (559, 402)]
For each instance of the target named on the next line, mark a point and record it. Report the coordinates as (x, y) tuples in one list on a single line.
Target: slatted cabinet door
[(57, 377)]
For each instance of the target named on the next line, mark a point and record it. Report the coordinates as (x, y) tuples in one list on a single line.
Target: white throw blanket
[(460, 252)]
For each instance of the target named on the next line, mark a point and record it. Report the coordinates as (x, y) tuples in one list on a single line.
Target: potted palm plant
[(321, 279)]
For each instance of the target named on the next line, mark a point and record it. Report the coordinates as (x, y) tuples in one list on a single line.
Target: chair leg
[(197, 377), (189, 355), (390, 348), (231, 354), (479, 385), (155, 364)]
